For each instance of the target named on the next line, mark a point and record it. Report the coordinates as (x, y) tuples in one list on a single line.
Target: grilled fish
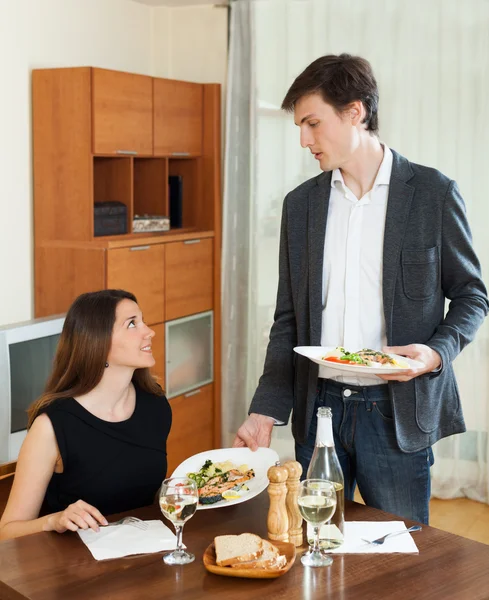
[(212, 491)]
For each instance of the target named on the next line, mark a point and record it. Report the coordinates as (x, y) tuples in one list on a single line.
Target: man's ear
[(356, 113)]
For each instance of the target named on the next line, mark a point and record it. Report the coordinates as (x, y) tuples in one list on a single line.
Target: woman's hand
[(78, 515)]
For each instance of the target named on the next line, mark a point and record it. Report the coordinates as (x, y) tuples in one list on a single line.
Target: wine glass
[(317, 503), (178, 502)]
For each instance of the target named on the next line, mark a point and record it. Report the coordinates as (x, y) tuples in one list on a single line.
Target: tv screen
[(30, 366)]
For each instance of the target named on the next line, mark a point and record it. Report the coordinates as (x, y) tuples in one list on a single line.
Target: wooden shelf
[(151, 186), (158, 237), (190, 172), (112, 181), (131, 239)]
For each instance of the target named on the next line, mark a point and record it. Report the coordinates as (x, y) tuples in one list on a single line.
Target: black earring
[(106, 364)]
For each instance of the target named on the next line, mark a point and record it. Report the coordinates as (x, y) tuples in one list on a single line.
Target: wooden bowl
[(285, 548)]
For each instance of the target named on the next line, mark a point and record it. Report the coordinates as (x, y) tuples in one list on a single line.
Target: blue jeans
[(365, 441)]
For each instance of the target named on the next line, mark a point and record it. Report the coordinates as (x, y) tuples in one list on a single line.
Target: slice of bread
[(232, 549), (270, 559)]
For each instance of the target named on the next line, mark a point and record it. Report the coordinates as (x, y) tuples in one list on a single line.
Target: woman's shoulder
[(57, 406), (42, 426)]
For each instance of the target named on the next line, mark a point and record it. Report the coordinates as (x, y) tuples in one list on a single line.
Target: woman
[(96, 443)]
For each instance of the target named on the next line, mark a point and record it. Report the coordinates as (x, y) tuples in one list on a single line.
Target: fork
[(134, 521), (382, 539)]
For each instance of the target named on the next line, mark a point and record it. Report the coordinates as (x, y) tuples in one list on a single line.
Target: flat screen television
[(26, 356)]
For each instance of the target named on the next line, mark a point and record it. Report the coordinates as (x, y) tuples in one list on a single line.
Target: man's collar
[(383, 174)]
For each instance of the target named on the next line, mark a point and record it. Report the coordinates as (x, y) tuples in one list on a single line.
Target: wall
[(190, 43), (49, 33)]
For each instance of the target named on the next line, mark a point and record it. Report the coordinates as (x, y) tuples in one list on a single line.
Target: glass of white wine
[(178, 502), (317, 503)]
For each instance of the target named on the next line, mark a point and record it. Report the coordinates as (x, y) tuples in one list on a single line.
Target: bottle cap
[(325, 411)]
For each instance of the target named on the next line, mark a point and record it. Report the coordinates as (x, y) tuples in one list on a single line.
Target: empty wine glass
[(317, 503), (178, 502)]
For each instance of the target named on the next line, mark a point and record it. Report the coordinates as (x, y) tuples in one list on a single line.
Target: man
[(369, 251)]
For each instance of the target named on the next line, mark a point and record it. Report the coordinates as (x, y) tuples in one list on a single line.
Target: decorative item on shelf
[(110, 218), (294, 469), (175, 192), (145, 223), (278, 520)]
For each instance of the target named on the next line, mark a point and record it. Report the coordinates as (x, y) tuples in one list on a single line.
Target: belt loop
[(368, 402)]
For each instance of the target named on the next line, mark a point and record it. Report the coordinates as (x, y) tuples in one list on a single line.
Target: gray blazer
[(428, 256)]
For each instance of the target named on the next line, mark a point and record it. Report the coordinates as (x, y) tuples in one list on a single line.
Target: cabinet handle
[(130, 152), (193, 393), (137, 248), (191, 242), (180, 153)]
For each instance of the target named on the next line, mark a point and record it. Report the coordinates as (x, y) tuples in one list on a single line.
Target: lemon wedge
[(231, 495)]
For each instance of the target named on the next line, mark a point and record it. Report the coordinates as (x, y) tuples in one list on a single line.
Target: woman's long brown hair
[(82, 351)]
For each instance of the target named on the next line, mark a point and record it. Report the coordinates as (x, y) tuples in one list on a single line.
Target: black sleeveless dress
[(115, 467)]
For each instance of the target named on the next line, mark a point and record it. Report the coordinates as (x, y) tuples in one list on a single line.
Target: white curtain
[(431, 61)]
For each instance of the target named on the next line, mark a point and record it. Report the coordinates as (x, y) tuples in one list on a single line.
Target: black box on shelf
[(110, 218), (175, 185)]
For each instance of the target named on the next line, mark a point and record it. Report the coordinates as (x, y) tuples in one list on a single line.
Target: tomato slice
[(342, 361)]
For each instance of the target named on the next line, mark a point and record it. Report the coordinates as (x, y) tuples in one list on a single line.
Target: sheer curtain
[(431, 60), (238, 223)]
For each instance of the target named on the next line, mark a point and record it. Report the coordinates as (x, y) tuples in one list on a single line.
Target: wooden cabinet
[(140, 270), (122, 112), (188, 278), (61, 145), (93, 136), (178, 117), (191, 430), (62, 273)]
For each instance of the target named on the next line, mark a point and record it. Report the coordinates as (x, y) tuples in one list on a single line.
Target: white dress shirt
[(353, 307)]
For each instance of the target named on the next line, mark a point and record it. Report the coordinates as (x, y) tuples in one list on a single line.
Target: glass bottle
[(325, 465)]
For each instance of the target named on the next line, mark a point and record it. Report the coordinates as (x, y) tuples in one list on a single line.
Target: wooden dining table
[(51, 566)]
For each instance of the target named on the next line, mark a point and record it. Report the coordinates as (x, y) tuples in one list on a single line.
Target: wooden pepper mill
[(294, 470), (278, 521)]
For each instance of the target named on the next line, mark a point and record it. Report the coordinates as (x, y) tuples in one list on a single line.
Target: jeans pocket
[(384, 409)]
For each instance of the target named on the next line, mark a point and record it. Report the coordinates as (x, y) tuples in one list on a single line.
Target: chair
[(7, 472)]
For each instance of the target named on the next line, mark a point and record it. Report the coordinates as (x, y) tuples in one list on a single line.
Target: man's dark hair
[(340, 80)]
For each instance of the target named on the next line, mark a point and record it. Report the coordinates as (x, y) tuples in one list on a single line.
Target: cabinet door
[(140, 270), (122, 109), (192, 426), (178, 107), (188, 276)]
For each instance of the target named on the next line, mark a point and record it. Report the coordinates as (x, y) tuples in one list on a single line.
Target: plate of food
[(359, 361), (228, 475), (247, 555)]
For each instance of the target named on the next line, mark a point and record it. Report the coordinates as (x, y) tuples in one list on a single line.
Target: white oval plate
[(260, 461), (315, 353)]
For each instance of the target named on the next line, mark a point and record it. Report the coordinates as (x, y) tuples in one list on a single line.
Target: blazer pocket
[(420, 272)]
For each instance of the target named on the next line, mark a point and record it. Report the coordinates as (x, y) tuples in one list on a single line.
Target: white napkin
[(124, 540), (371, 530)]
